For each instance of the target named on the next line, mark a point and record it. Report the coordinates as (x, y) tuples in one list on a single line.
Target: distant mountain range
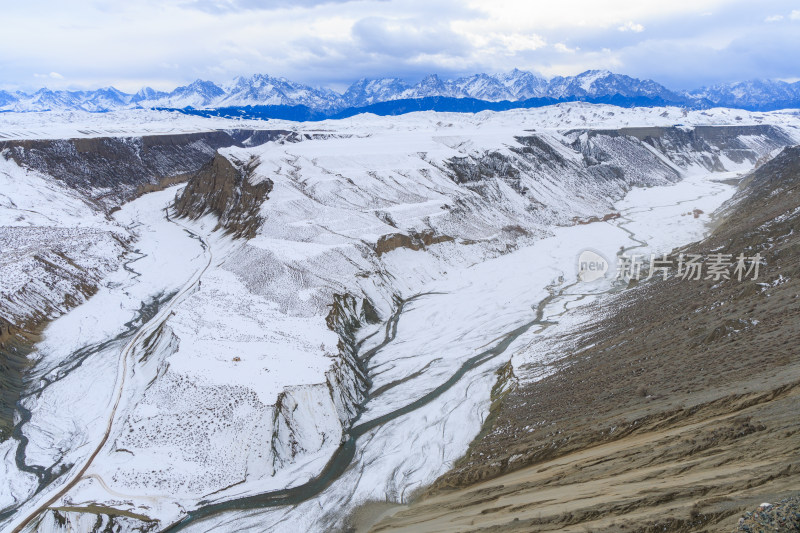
[(278, 96)]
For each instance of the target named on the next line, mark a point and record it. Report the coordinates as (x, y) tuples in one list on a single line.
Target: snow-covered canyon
[(317, 321)]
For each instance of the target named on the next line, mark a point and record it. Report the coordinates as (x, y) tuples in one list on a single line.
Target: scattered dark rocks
[(782, 516)]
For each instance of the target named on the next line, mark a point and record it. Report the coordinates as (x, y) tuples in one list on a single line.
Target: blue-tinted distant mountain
[(6, 98), (602, 83), (199, 93), (105, 100), (46, 100), (430, 85), (148, 94), (752, 94), (518, 86), (515, 85), (482, 87), (262, 89), (398, 106), (522, 85), (366, 92), (401, 106)]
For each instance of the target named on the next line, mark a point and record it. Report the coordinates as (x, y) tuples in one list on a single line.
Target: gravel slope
[(679, 413)]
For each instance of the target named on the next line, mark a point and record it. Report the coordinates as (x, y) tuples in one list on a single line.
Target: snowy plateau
[(233, 325)]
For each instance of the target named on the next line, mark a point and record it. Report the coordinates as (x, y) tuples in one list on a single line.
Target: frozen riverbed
[(432, 384), (79, 369)]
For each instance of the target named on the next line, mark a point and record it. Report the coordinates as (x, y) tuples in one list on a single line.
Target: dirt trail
[(48, 498)]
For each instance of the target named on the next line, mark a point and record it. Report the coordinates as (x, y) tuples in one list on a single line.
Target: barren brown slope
[(680, 412)]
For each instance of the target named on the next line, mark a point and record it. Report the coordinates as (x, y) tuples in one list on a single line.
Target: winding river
[(560, 295)]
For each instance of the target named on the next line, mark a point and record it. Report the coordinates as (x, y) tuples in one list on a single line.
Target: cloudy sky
[(165, 43)]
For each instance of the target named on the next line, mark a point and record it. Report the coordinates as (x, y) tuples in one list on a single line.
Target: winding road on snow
[(19, 524)]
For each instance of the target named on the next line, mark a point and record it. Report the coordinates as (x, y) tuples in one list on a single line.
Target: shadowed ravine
[(343, 457)]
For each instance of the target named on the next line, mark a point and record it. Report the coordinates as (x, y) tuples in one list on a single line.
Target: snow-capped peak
[(514, 85)]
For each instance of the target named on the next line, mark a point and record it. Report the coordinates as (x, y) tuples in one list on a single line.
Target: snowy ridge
[(564, 116), (516, 85), (55, 245)]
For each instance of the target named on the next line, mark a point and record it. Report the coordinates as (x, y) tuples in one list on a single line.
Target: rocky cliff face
[(224, 188), (591, 165), (711, 145), (48, 270), (15, 345), (299, 412), (110, 170), (414, 241)]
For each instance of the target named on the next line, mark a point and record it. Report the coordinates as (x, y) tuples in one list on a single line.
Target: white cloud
[(774, 18), (407, 37), (564, 49), (52, 76), (517, 42), (166, 43), (631, 26)]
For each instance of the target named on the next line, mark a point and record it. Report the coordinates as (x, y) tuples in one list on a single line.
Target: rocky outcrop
[(16, 343), (303, 415), (347, 379), (604, 218), (414, 241), (707, 145), (489, 165), (110, 170), (223, 188)]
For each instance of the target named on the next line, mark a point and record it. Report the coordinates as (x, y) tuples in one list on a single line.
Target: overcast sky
[(165, 43)]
